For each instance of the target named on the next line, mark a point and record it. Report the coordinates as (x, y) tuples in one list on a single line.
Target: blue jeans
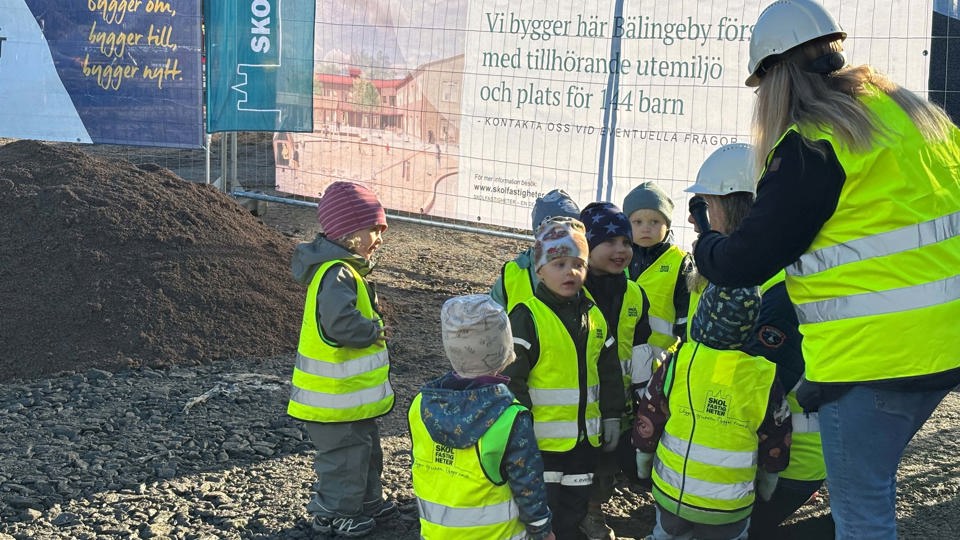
[(864, 434)]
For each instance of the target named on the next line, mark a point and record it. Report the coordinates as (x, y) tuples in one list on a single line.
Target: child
[(518, 278), (340, 381), (660, 267), (726, 182), (713, 424), (625, 308), (476, 469), (567, 372)]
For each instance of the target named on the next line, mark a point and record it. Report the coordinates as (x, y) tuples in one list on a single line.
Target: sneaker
[(595, 528), (380, 509), (354, 527)]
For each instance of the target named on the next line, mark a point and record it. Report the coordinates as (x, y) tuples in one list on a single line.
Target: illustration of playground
[(399, 136)]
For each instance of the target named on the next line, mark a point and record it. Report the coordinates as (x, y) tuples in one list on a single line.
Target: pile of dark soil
[(109, 264)]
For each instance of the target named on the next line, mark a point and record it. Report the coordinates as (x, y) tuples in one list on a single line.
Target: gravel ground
[(207, 452)]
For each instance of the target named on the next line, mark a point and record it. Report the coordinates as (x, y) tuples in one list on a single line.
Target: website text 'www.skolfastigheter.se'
[(514, 191)]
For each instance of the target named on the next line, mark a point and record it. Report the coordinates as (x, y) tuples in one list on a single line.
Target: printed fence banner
[(102, 71), (471, 109), (259, 65)]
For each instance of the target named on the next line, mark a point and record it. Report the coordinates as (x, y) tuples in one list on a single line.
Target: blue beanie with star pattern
[(604, 220)]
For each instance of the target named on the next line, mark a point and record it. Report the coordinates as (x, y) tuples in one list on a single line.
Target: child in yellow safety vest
[(341, 378), (625, 308), (658, 265), (567, 372), (477, 473), (713, 426)]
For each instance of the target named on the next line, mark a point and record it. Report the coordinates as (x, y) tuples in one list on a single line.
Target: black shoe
[(353, 527)]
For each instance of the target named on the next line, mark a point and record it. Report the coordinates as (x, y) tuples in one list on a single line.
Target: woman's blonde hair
[(788, 94)]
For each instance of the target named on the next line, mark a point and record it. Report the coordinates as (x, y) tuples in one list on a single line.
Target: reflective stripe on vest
[(569, 401), (556, 477), (704, 469), (806, 450), (659, 281), (332, 383), (517, 284), (882, 270), (455, 497)]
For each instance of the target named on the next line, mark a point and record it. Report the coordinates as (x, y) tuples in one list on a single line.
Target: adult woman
[(859, 199)]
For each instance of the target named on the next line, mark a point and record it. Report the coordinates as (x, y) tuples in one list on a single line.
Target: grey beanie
[(553, 204), (476, 334), (649, 196)]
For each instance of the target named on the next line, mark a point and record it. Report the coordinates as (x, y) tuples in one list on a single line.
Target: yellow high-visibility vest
[(706, 461), (333, 383), (659, 281), (554, 382), (517, 284), (460, 492), (806, 448), (878, 291)]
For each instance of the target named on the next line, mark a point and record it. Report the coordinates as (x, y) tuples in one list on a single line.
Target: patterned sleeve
[(523, 469)]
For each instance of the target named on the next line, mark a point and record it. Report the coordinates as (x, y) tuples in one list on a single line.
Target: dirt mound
[(111, 264)]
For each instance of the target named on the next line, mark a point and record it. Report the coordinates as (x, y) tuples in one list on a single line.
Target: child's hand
[(382, 340)]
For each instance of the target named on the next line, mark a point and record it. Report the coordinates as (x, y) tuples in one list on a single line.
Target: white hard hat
[(782, 26), (729, 169)]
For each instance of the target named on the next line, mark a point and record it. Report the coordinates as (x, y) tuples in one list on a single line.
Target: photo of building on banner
[(471, 109), (102, 72)]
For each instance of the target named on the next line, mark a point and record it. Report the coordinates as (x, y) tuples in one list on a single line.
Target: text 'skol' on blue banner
[(260, 65)]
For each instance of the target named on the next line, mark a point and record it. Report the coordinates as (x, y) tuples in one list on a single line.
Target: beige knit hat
[(476, 335)]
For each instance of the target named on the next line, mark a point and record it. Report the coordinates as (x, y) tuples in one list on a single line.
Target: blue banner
[(260, 65), (102, 71)]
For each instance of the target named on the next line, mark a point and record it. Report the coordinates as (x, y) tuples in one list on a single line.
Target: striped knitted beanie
[(347, 207)]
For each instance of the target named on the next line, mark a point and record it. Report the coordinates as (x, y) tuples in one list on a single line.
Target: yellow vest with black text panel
[(806, 449), (659, 281), (878, 291), (333, 383), (563, 398), (706, 461), (517, 284), (460, 492)]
